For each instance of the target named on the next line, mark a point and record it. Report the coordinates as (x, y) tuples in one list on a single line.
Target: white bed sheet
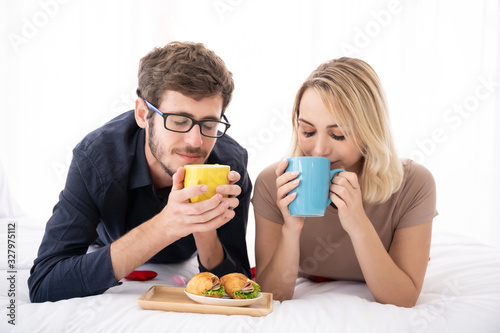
[(461, 293)]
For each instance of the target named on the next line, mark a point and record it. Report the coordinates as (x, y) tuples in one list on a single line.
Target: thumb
[(178, 179)]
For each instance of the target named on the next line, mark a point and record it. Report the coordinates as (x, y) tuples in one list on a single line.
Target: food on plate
[(205, 284), (238, 285)]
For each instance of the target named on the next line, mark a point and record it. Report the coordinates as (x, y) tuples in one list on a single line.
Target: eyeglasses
[(183, 124)]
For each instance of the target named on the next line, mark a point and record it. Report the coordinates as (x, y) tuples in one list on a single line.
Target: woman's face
[(319, 135)]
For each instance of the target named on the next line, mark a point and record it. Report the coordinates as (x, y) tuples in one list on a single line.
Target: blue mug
[(314, 187)]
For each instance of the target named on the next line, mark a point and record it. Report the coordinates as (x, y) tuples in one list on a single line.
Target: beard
[(158, 151)]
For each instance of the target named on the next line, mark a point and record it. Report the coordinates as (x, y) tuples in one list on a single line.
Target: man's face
[(171, 150)]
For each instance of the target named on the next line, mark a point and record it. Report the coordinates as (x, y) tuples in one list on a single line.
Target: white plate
[(226, 300)]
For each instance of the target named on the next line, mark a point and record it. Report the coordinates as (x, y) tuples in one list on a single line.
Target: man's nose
[(194, 137)]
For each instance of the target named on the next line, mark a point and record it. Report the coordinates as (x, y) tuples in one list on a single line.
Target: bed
[(461, 293)]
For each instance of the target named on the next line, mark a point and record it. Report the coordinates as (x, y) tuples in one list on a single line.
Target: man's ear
[(141, 113)]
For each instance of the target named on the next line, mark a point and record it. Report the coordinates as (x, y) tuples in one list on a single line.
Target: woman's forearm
[(388, 283), (280, 274)]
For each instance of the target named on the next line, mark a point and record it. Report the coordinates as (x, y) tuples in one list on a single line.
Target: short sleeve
[(417, 204), (264, 196)]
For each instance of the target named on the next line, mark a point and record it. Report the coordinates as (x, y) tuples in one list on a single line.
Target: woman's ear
[(141, 113)]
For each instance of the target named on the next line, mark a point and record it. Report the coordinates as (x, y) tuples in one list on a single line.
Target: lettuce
[(248, 295), (219, 291)]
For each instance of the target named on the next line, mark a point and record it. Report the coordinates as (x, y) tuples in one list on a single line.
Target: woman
[(378, 228)]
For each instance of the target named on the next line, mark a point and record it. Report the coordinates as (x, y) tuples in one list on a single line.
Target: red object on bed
[(141, 275)]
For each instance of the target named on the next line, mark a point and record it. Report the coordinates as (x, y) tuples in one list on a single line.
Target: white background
[(66, 67)]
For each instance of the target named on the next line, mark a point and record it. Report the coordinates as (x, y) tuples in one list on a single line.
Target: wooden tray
[(174, 299)]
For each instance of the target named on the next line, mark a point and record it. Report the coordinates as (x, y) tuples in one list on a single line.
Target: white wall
[(68, 66)]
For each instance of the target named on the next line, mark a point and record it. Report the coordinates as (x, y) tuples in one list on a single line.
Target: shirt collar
[(139, 175)]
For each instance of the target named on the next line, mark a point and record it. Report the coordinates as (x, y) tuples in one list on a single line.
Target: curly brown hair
[(185, 67)]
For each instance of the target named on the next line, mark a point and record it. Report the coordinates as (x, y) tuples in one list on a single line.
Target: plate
[(226, 300)]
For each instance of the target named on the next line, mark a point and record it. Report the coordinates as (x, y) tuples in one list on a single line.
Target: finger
[(337, 201), (281, 167), (207, 216), (286, 177), (341, 192), (285, 188), (226, 217), (233, 177), (178, 179), (285, 192), (187, 193), (287, 200), (345, 179), (232, 190), (353, 179), (201, 207), (213, 224), (233, 202)]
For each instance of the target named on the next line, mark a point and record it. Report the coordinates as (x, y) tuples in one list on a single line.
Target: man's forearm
[(138, 246), (210, 251)]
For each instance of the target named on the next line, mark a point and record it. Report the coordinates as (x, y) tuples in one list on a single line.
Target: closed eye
[(308, 134), (337, 137), (209, 125), (181, 122)]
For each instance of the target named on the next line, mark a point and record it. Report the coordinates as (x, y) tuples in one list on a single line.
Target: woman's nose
[(322, 147)]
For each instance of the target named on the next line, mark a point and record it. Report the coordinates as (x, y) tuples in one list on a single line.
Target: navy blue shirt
[(108, 192)]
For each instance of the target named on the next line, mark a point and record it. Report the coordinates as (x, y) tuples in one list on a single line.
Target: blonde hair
[(351, 90)]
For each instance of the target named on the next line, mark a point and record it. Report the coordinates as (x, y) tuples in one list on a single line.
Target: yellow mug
[(211, 175)]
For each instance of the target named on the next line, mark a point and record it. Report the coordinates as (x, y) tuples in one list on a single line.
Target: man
[(124, 190)]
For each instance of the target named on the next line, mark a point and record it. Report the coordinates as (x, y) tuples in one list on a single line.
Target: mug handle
[(333, 173)]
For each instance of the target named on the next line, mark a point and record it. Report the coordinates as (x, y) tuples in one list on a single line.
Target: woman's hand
[(286, 182), (345, 193)]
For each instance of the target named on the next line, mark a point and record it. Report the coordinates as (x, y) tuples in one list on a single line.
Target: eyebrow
[(183, 113), (310, 124)]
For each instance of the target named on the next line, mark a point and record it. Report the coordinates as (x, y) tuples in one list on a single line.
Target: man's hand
[(181, 217)]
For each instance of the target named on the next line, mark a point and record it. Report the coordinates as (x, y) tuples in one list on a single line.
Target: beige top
[(325, 248)]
